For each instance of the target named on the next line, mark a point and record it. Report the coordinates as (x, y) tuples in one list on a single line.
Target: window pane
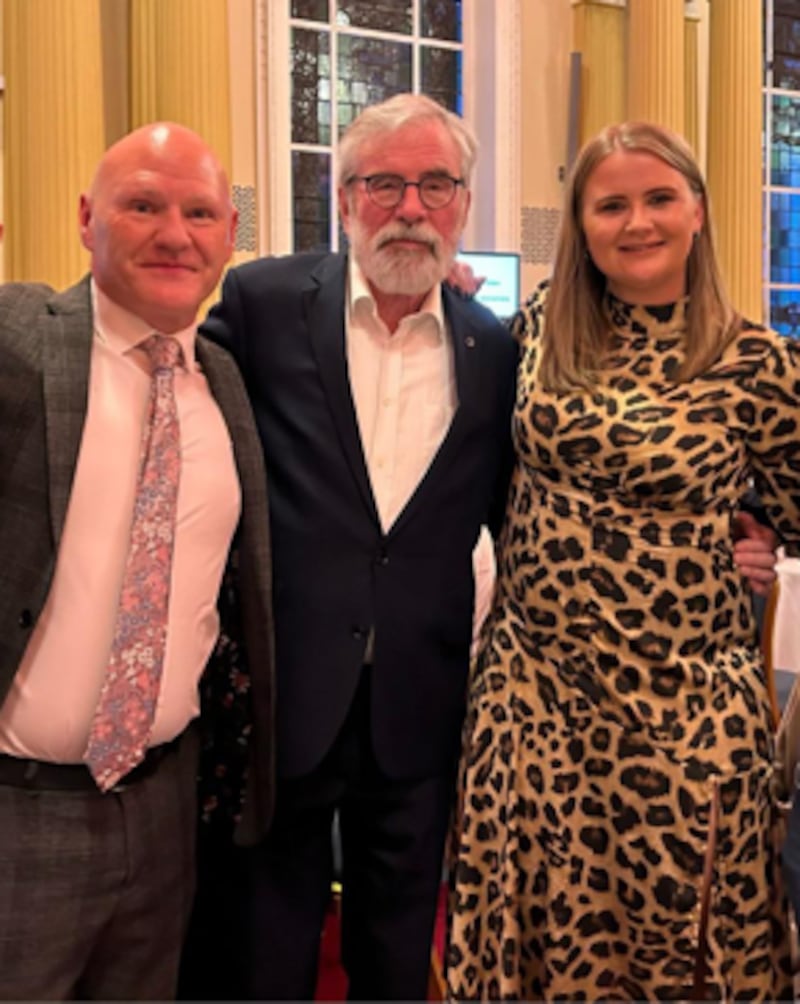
[(786, 46), (382, 15), (311, 200), (786, 73), (441, 19), (369, 70), (784, 238), (311, 87), (786, 34), (310, 10), (441, 76), (784, 311), (785, 154)]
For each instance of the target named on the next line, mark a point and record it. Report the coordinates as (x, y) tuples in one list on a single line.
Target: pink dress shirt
[(49, 708)]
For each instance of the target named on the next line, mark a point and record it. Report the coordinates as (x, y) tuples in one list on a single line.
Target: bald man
[(97, 870)]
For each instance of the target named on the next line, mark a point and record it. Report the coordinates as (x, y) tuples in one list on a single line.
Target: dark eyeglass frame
[(370, 181)]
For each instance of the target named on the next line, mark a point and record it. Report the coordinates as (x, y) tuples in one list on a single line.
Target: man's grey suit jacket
[(45, 349)]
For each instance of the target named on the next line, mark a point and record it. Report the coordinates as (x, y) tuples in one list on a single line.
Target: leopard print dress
[(619, 693)]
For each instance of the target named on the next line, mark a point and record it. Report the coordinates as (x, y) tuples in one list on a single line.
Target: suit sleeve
[(224, 324)]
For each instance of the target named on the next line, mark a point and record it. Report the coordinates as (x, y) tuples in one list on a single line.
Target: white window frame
[(491, 85)]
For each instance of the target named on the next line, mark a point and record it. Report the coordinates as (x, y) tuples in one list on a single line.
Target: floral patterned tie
[(123, 719)]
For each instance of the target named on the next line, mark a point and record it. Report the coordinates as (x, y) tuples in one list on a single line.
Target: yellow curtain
[(734, 147), (656, 80), (598, 31), (53, 133), (180, 67), (691, 45)]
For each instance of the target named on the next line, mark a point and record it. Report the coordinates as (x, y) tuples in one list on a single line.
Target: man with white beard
[(383, 401)]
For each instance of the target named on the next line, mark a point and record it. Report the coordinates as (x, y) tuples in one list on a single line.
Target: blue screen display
[(500, 291)]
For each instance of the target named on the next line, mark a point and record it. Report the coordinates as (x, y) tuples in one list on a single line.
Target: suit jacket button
[(25, 619)]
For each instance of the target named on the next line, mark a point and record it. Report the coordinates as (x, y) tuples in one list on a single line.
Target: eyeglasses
[(388, 190)]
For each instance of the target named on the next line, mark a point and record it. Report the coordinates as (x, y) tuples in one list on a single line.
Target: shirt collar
[(361, 300), (122, 331)]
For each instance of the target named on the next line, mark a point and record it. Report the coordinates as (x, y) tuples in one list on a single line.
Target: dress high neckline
[(632, 320)]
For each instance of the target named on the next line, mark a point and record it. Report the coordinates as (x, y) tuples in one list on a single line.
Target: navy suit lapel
[(466, 357), (324, 309), (466, 353), (66, 357)]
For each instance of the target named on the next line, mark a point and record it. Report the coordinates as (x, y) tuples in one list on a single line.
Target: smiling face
[(408, 249), (639, 217), (159, 224)]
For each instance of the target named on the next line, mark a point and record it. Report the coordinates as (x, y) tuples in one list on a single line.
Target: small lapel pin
[(469, 341)]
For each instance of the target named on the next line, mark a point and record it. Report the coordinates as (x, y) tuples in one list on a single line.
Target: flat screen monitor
[(500, 291)]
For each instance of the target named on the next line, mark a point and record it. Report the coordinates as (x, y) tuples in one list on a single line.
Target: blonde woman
[(617, 826)]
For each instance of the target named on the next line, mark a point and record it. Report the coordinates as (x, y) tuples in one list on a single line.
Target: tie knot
[(164, 352)]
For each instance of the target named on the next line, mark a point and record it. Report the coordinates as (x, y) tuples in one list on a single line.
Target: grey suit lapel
[(227, 389), (324, 307), (223, 380), (66, 357)]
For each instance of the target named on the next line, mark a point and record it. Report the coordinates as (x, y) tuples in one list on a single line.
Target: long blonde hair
[(575, 325)]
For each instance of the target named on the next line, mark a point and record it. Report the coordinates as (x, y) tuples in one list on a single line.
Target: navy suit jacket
[(337, 575)]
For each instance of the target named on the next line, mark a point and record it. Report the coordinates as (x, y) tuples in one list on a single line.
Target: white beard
[(396, 270)]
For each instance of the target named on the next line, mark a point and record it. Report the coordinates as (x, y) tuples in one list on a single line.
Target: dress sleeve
[(527, 322), (773, 438)]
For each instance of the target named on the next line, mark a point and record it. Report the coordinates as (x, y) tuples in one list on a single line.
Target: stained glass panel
[(369, 70), (441, 19), (311, 199), (441, 76), (782, 217), (311, 87), (784, 237), (310, 10), (784, 311), (785, 152), (380, 15)]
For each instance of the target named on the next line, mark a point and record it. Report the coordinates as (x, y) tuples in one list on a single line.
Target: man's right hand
[(754, 552)]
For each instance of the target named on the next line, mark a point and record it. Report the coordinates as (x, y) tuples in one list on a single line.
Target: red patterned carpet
[(332, 982)]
